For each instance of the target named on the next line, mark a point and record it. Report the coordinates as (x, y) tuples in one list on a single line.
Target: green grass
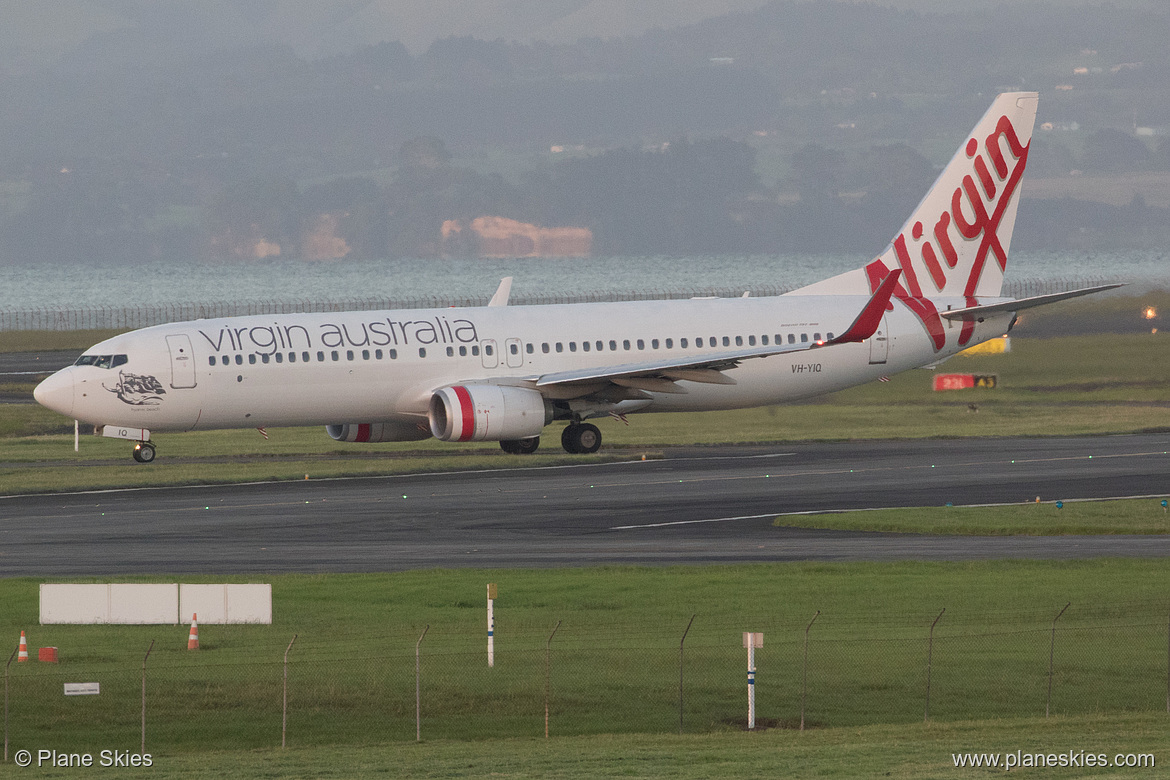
[(50, 340), (615, 657), (907, 752), (1134, 516)]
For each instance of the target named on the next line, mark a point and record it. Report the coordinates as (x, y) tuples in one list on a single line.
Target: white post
[(751, 641), (76, 436), (491, 618)]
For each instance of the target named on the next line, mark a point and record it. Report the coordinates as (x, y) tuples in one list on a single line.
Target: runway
[(698, 505)]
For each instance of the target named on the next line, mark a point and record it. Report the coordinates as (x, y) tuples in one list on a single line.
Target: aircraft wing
[(976, 312), (660, 375)]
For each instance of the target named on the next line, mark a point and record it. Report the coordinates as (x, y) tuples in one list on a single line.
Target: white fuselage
[(380, 366)]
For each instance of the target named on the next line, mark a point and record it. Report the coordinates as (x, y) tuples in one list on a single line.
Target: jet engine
[(488, 413), (396, 430)]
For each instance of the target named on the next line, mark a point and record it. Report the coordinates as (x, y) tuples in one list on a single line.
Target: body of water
[(83, 286)]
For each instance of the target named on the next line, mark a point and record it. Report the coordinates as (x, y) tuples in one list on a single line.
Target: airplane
[(503, 373)]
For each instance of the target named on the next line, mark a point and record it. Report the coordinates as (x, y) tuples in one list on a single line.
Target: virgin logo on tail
[(962, 235)]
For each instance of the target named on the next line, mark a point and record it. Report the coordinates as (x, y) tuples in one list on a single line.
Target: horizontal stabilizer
[(977, 312)]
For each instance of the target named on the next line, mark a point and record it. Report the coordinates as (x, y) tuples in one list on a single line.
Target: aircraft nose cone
[(56, 392)]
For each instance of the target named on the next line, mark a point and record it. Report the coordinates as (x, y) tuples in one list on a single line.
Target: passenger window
[(305, 356), (334, 354), (641, 344), (613, 346), (764, 340), (450, 351), (600, 346), (264, 358), (726, 341), (544, 347), (240, 360), (529, 348), (699, 341), (584, 346), (292, 357), (377, 354), (349, 354), (475, 349), (739, 341), (560, 347), (365, 354), (572, 346), (320, 357), (670, 343), (791, 338), (279, 357), (751, 341), (830, 335), (211, 360), (682, 343), (393, 354), (514, 349), (462, 351), (779, 338), (252, 359), (654, 343), (803, 338), (626, 344), (487, 350), (422, 352), (816, 337)]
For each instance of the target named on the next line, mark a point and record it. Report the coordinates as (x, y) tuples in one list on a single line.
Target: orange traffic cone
[(193, 638), (22, 656)]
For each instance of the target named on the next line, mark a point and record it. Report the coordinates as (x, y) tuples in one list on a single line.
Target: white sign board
[(83, 689), (226, 603)]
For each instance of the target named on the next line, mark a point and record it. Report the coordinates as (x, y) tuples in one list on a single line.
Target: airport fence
[(56, 318), (248, 688)]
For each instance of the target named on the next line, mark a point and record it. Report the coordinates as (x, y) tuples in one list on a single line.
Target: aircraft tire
[(527, 446), (144, 452), (581, 439)]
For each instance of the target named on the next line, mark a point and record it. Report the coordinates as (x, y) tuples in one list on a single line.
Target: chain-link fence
[(119, 317), (589, 677)]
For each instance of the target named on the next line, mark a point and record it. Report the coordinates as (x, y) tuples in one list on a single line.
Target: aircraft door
[(487, 351), (879, 343), (182, 361), (514, 353)]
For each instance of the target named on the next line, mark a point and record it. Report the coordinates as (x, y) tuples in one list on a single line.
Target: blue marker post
[(751, 642)]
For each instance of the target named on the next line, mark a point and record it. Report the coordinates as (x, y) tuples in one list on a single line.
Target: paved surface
[(699, 505)]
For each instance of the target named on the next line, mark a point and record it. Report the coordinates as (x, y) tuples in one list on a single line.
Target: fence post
[(804, 670), (1051, 655), (284, 698), (14, 650), (548, 674), (144, 694), (680, 673), (929, 658), (418, 685)]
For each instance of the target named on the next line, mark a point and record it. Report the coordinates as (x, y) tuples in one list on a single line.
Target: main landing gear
[(520, 446), (581, 438), (144, 452)]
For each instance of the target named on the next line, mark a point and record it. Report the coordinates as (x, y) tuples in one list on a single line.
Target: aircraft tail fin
[(956, 241)]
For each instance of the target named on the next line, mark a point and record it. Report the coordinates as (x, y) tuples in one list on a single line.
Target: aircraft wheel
[(527, 446), (144, 452), (510, 446), (581, 439)]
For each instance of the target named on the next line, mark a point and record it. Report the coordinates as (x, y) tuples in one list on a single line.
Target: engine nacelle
[(374, 432), (488, 413)]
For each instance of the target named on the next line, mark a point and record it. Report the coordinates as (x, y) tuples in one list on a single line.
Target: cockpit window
[(102, 361)]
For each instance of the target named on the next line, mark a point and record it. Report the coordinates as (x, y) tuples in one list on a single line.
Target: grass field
[(911, 752), (615, 663), (1135, 516)]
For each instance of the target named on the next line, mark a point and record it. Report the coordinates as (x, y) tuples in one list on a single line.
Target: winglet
[(502, 293), (870, 318)]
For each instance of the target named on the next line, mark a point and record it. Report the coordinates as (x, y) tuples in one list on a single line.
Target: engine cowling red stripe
[(363, 433), (467, 413)]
